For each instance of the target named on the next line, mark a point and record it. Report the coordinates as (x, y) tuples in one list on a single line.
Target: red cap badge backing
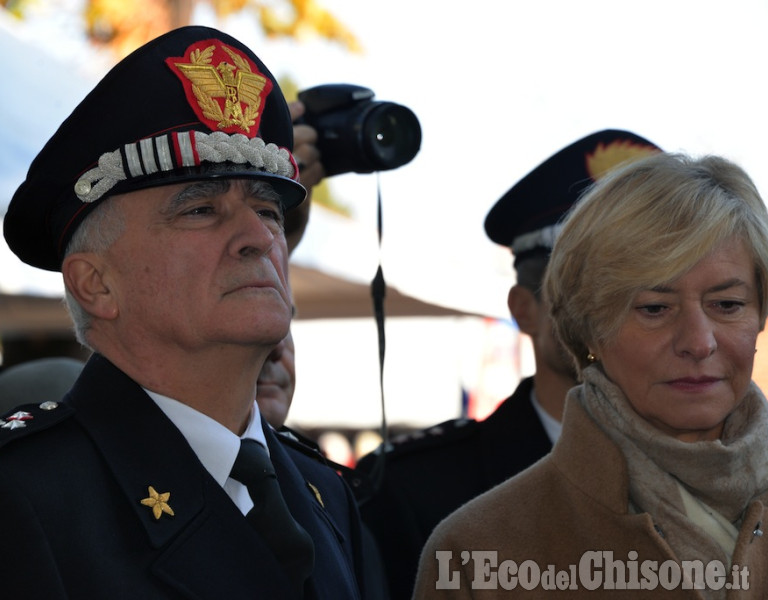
[(223, 86)]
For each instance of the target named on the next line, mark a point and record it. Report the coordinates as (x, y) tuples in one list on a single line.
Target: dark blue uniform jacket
[(425, 478), (73, 524)]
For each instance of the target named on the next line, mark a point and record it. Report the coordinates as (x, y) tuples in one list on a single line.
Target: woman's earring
[(591, 357)]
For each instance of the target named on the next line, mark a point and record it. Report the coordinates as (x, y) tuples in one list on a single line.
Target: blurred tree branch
[(123, 26)]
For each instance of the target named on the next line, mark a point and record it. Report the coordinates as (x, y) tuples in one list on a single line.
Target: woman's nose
[(696, 334)]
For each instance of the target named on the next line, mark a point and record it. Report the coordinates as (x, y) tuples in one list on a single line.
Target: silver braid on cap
[(177, 150)]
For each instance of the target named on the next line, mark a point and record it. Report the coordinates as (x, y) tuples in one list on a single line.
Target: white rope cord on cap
[(177, 150), (545, 237)]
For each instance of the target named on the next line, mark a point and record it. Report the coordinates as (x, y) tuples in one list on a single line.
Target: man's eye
[(199, 210), (271, 213)]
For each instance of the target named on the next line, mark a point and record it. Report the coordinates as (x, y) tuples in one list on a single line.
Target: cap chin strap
[(178, 150)]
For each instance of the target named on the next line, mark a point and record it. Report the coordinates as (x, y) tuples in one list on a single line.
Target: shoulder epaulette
[(437, 435), (299, 442), (27, 419)]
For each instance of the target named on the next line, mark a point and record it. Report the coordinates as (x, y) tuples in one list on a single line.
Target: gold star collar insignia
[(158, 502)]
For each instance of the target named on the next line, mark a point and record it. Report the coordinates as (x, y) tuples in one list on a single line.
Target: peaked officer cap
[(192, 104), (524, 217)]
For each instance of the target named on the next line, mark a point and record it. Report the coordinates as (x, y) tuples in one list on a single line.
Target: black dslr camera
[(357, 134)]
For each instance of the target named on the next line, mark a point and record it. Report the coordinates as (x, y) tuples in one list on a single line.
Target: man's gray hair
[(100, 229)]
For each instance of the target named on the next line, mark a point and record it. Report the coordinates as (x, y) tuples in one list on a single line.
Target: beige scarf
[(724, 474)]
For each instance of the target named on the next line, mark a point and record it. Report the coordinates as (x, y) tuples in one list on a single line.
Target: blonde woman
[(657, 286)]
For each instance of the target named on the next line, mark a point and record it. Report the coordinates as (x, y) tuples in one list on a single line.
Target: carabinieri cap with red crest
[(192, 104), (527, 217)]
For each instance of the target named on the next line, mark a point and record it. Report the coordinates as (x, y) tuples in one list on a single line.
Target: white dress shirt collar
[(552, 426), (215, 445)]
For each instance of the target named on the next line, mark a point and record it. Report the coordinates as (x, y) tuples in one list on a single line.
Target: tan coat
[(570, 504)]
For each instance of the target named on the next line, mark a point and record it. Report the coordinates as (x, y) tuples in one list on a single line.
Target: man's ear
[(524, 308), (84, 278)]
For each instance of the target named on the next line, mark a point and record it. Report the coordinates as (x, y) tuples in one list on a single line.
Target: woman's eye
[(729, 306), (651, 309)]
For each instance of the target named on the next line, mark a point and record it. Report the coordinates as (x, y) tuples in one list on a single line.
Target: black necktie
[(288, 540)]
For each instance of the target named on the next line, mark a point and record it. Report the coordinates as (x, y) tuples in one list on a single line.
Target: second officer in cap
[(427, 477)]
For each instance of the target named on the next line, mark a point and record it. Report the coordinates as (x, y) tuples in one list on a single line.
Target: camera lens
[(391, 135), (357, 134)]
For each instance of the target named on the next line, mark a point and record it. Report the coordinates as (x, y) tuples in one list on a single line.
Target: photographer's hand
[(311, 172), (307, 155)]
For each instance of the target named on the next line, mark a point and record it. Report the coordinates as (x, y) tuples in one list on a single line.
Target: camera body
[(358, 134)]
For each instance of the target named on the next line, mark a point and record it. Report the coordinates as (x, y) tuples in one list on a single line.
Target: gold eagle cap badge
[(607, 156), (223, 86)]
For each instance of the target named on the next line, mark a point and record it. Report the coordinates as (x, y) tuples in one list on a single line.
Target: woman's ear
[(524, 308), (84, 278)]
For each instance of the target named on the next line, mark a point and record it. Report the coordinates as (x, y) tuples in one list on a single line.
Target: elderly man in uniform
[(162, 201), (420, 480)]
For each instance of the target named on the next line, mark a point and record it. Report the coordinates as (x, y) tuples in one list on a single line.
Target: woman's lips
[(693, 383)]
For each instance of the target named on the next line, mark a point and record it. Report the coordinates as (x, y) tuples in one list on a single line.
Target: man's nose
[(252, 235), (277, 353)]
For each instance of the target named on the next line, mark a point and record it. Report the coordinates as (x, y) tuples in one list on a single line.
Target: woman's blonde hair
[(641, 226)]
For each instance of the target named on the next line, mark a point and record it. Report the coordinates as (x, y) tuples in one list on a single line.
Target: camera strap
[(378, 293)]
